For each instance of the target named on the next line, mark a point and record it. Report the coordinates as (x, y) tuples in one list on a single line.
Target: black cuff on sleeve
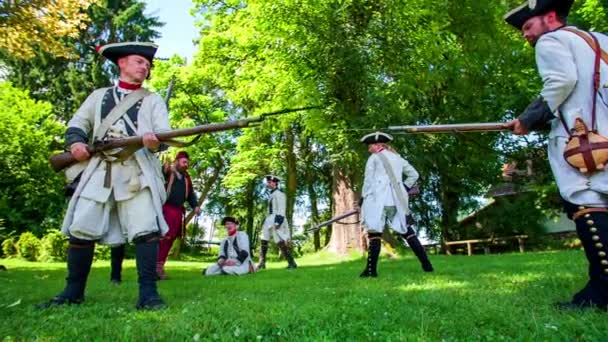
[(537, 115), (278, 219), (74, 135), (242, 256)]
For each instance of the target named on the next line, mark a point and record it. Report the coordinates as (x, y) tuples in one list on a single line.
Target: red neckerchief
[(232, 232), (128, 86)]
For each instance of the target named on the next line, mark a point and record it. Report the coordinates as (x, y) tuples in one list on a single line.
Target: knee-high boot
[(263, 252), (288, 254), (592, 230), (117, 257), (373, 252), (79, 260), (146, 252), (414, 243)]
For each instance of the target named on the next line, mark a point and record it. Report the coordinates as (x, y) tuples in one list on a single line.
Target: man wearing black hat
[(385, 200), (117, 198), (276, 224), (235, 256), (575, 82)]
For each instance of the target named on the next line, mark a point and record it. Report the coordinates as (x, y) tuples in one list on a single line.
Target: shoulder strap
[(394, 182), (119, 110), (600, 54), (590, 41)]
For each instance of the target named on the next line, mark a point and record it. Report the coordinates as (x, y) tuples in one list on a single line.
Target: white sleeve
[(410, 173), (369, 176), (279, 203), (557, 69), (84, 118), (160, 115)]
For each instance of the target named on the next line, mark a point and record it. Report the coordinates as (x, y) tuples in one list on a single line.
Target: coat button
[(590, 222), (581, 208), (595, 238), (599, 245), (602, 254), (593, 230), (587, 215), (604, 262)]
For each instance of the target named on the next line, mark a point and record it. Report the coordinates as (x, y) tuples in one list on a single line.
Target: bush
[(28, 246), (9, 248), (54, 246), (102, 252)]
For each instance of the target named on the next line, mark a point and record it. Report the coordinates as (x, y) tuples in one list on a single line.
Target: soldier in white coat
[(385, 200), (235, 256), (276, 226), (566, 62), (117, 198)]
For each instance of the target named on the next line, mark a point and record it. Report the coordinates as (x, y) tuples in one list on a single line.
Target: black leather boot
[(287, 253), (373, 252), (146, 252), (118, 255), (592, 230), (263, 252), (80, 258), (414, 243)]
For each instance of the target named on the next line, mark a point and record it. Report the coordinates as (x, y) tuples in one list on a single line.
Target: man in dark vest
[(178, 185)]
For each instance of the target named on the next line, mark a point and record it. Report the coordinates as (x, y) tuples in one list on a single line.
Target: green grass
[(495, 297)]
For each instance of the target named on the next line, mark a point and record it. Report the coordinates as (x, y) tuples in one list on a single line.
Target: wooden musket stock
[(62, 160)]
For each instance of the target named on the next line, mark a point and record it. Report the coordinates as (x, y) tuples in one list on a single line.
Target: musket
[(62, 160), (452, 128), (333, 219)]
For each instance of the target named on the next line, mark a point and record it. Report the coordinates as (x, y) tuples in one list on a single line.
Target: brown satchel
[(587, 150)]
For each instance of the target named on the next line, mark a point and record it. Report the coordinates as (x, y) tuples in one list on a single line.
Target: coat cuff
[(75, 135), (537, 115), (278, 219)]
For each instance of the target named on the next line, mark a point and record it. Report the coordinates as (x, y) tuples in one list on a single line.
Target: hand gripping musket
[(333, 219), (131, 144), (453, 128)]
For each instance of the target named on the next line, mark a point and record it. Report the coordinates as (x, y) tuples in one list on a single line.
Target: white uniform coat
[(565, 63), (278, 204), (152, 117), (379, 193), (242, 241)]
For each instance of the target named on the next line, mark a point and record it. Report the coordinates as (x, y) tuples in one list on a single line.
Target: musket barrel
[(451, 128), (65, 159)]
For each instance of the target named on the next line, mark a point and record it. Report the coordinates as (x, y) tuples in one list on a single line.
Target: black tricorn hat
[(230, 219), (114, 51), (531, 8), (376, 137), (272, 178)]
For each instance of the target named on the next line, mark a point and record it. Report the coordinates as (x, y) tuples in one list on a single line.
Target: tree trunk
[(249, 221), (314, 213), (346, 235), (292, 177)]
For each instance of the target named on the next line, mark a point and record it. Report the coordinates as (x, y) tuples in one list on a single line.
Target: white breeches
[(215, 269), (113, 222), (388, 218), (278, 234)]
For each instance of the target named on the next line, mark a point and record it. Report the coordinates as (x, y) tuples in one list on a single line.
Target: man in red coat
[(179, 190)]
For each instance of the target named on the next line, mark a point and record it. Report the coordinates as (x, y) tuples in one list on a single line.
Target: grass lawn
[(495, 297)]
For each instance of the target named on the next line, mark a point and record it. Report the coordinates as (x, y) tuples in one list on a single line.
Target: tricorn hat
[(376, 137), (230, 219), (272, 178), (182, 154), (531, 8), (115, 51)]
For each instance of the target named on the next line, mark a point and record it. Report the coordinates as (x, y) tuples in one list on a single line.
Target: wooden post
[(469, 249), (521, 244)]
